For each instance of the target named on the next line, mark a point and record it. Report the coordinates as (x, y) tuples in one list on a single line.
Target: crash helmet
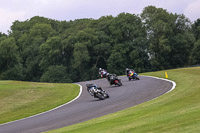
[(107, 74), (111, 76), (88, 85), (100, 69)]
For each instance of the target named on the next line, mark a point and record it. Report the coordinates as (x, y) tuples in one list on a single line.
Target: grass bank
[(22, 99), (175, 112)]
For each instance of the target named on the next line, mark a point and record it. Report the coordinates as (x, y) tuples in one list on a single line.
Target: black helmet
[(88, 84)]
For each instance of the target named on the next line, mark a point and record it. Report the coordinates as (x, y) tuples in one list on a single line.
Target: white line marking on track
[(173, 87), (48, 110), (173, 83)]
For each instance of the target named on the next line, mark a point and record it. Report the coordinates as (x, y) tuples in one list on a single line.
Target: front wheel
[(106, 95), (119, 83), (137, 78)]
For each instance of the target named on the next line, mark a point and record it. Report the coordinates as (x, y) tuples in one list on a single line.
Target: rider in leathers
[(91, 87), (128, 70), (102, 72), (111, 78)]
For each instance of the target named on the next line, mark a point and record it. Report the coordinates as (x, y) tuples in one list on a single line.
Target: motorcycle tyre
[(100, 96), (119, 83), (107, 96)]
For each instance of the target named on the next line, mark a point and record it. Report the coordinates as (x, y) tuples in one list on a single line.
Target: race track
[(87, 107)]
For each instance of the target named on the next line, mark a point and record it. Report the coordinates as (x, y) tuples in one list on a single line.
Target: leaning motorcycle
[(114, 80), (103, 74), (101, 94), (133, 75), (98, 93)]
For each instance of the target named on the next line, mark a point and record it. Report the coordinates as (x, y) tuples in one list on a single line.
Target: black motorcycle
[(97, 92), (101, 94), (113, 79)]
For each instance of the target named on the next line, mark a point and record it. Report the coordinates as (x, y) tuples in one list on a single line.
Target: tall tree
[(196, 29), (51, 52), (195, 54), (169, 37), (10, 66)]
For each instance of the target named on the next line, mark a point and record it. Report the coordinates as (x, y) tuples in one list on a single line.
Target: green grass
[(22, 99), (174, 112)]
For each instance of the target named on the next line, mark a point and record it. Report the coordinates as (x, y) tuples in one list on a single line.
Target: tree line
[(47, 50)]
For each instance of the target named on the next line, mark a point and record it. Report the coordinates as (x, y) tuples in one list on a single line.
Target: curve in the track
[(86, 107)]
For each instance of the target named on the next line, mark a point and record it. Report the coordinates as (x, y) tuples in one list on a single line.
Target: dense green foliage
[(36, 49)]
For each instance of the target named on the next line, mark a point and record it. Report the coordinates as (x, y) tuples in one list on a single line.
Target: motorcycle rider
[(128, 70), (91, 87), (102, 72), (108, 76), (111, 78)]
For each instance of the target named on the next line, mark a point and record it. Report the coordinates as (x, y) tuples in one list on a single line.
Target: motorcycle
[(114, 80), (97, 92), (101, 94), (103, 74), (133, 75)]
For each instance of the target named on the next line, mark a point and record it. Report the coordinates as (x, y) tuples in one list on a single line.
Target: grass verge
[(22, 99), (174, 112)]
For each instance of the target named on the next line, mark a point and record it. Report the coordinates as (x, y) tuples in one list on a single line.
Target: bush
[(56, 74)]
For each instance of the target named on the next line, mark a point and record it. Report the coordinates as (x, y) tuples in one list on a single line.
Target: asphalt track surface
[(87, 107)]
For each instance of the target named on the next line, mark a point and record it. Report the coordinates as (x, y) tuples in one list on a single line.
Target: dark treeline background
[(42, 49)]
